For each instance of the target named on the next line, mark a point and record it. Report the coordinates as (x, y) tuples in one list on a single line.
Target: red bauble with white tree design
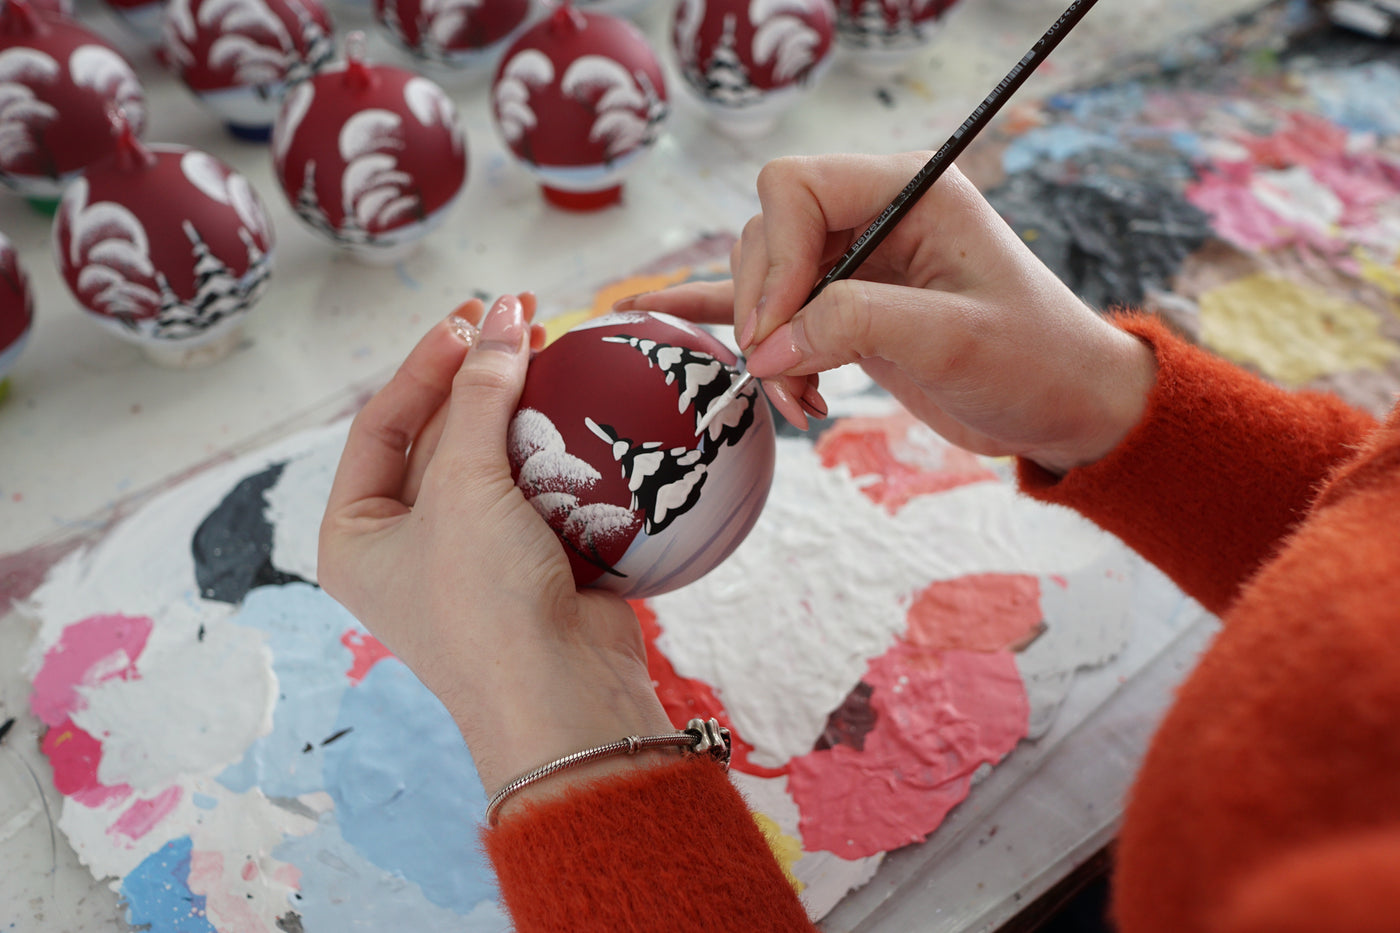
[(604, 444), (239, 56), (579, 98), (166, 246), (16, 309), (880, 36), (748, 61), (461, 33), (58, 83), (370, 156)]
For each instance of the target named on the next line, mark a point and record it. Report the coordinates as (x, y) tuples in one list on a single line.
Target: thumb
[(485, 392), (854, 320)]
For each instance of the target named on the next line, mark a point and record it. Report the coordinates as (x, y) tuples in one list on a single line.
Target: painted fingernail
[(630, 302), (782, 350), (787, 406), (813, 403), (464, 330), (750, 325), (504, 325)]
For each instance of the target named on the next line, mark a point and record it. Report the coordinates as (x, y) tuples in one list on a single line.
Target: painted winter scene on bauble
[(230, 744), (645, 494)]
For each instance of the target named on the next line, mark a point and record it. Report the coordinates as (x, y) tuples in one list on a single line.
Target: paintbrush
[(933, 169)]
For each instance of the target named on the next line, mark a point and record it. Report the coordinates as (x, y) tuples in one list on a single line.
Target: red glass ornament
[(16, 309), (58, 84), (604, 446), (578, 99), (239, 56), (452, 32), (370, 156), (880, 36), (748, 61), (166, 246)]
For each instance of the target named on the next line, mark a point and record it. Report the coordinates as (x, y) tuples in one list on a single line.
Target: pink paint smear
[(143, 815), (365, 651), (939, 716)]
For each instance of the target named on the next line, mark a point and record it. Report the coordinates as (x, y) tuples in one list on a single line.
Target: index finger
[(374, 462), (804, 200)]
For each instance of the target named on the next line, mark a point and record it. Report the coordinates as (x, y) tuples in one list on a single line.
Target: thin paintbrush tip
[(719, 404)]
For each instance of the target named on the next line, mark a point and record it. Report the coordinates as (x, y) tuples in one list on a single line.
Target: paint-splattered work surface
[(217, 740)]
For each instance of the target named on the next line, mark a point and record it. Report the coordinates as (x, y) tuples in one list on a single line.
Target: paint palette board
[(228, 741)]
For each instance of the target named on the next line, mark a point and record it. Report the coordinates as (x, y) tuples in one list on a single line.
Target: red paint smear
[(75, 757), (142, 816), (87, 653), (366, 651), (250, 870), (878, 447), (685, 699), (939, 717), (979, 612)]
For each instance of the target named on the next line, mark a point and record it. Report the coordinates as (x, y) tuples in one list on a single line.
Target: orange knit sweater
[(1270, 797)]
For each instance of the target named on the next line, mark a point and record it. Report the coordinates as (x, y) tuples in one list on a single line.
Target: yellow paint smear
[(607, 296), (1293, 332), (1387, 278), (786, 849)]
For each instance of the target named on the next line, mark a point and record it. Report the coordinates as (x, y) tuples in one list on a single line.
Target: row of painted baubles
[(168, 245)]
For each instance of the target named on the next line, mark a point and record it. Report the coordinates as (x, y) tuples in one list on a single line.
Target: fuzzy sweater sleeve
[(671, 848), (1222, 466), (1268, 798)]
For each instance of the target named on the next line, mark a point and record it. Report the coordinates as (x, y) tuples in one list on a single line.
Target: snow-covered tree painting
[(665, 481), (431, 106), (249, 40), (112, 252), (699, 379), (887, 23), (440, 23), (528, 69), (23, 115), (627, 105), (784, 38), (550, 478), (376, 195), (215, 180), (108, 75)]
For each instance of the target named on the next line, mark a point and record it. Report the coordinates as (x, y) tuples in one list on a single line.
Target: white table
[(91, 425)]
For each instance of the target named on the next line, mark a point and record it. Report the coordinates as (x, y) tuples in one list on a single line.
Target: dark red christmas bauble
[(239, 56), (604, 446), (163, 245), (880, 36), (58, 83), (16, 307), (370, 156), (451, 32), (750, 60), (578, 98)]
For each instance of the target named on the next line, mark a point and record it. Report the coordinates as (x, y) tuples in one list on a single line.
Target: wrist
[(1125, 373)]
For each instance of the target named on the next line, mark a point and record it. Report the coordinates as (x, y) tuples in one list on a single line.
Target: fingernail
[(504, 325), (813, 403), (750, 325), (464, 330), (630, 302), (787, 406), (782, 350)]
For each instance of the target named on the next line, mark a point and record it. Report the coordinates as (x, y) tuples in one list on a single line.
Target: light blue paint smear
[(204, 801), (406, 794), (1361, 98), (158, 895), (303, 627), (1052, 143), (341, 891)]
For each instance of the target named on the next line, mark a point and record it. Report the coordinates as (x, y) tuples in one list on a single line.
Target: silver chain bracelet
[(700, 736)]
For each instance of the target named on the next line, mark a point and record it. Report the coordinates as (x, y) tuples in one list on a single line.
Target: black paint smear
[(308, 748), (885, 97), (1111, 224), (341, 734), (290, 922), (5, 727), (200, 636), (233, 545), (850, 722)]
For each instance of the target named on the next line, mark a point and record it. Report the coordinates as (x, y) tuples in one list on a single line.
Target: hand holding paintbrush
[(866, 244), (953, 315)]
